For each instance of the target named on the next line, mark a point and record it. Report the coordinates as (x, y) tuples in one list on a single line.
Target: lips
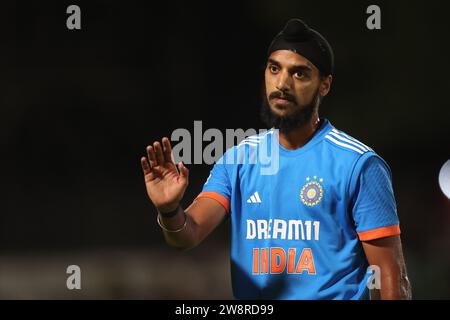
[(282, 101)]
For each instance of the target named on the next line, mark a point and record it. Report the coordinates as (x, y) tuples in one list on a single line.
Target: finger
[(184, 172), (159, 153), (151, 156), (149, 175), (167, 150), (145, 166)]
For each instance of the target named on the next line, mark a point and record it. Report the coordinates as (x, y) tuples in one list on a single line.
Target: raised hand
[(165, 184)]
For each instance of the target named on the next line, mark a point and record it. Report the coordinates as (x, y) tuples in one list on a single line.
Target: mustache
[(281, 95)]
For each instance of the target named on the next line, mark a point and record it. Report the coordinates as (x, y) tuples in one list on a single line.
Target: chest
[(300, 187)]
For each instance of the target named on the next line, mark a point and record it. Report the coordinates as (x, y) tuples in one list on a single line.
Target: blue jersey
[(296, 230)]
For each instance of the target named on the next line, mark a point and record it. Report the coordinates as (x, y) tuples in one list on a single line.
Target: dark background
[(78, 108)]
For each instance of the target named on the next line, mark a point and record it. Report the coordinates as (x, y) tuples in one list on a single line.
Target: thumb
[(184, 172)]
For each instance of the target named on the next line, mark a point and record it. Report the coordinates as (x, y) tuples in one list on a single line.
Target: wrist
[(169, 212)]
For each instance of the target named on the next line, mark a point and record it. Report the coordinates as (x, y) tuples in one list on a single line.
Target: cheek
[(268, 84), (304, 93)]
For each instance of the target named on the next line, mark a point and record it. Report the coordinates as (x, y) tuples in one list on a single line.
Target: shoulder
[(257, 139), (247, 149), (353, 151), (341, 141)]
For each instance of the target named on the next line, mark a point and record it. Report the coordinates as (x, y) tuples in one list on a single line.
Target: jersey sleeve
[(218, 186), (373, 207)]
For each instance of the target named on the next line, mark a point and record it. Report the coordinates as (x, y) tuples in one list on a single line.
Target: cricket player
[(312, 227)]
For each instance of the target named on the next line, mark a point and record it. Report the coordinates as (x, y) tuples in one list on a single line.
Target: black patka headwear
[(298, 37)]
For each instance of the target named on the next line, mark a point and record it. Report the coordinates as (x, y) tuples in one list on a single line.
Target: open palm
[(165, 181)]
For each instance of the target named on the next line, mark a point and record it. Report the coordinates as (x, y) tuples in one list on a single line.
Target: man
[(310, 230)]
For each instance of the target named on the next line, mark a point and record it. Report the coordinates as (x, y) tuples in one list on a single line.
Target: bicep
[(206, 214), (373, 204), (212, 205), (385, 251)]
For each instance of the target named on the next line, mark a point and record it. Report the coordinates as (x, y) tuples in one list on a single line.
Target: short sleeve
[(373, 207), (218, 186)]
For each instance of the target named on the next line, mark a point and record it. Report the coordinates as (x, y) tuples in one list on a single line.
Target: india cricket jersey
[(297, 224)]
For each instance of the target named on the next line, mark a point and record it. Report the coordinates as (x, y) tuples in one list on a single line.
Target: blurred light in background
[(444, 179)]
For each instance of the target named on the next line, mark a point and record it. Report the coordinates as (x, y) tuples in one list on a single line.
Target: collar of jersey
[(318, 136)]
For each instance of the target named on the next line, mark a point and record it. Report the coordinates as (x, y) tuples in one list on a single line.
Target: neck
[(298, 137)]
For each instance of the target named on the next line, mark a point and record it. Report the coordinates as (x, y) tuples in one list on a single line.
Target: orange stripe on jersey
[(379, 233), (216, 196)]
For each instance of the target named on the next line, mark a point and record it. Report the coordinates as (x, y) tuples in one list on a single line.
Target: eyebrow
[(301, 67)]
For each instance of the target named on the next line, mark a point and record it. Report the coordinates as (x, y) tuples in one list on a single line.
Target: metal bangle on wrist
[(158, 219)]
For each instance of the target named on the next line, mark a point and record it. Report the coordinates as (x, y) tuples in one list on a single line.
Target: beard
[(297, 119)]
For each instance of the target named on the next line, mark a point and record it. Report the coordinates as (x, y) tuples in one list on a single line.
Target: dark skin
[(294, 75), (166, 182), (387, 253)]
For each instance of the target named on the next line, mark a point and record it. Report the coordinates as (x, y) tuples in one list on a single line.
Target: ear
[(325, 85)]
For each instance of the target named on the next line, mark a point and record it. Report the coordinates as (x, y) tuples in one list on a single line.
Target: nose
[(283, 82)]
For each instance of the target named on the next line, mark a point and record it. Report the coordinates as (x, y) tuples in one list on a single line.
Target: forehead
[(288, 59)]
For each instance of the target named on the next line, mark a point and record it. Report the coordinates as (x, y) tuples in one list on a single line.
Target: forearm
[(395, 286), (186, 237), (387, 254)]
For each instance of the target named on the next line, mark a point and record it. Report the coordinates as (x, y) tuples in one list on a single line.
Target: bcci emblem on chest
[(312, 191)]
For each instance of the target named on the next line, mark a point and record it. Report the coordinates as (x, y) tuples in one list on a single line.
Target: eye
[(273, 68), (299, 75)]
